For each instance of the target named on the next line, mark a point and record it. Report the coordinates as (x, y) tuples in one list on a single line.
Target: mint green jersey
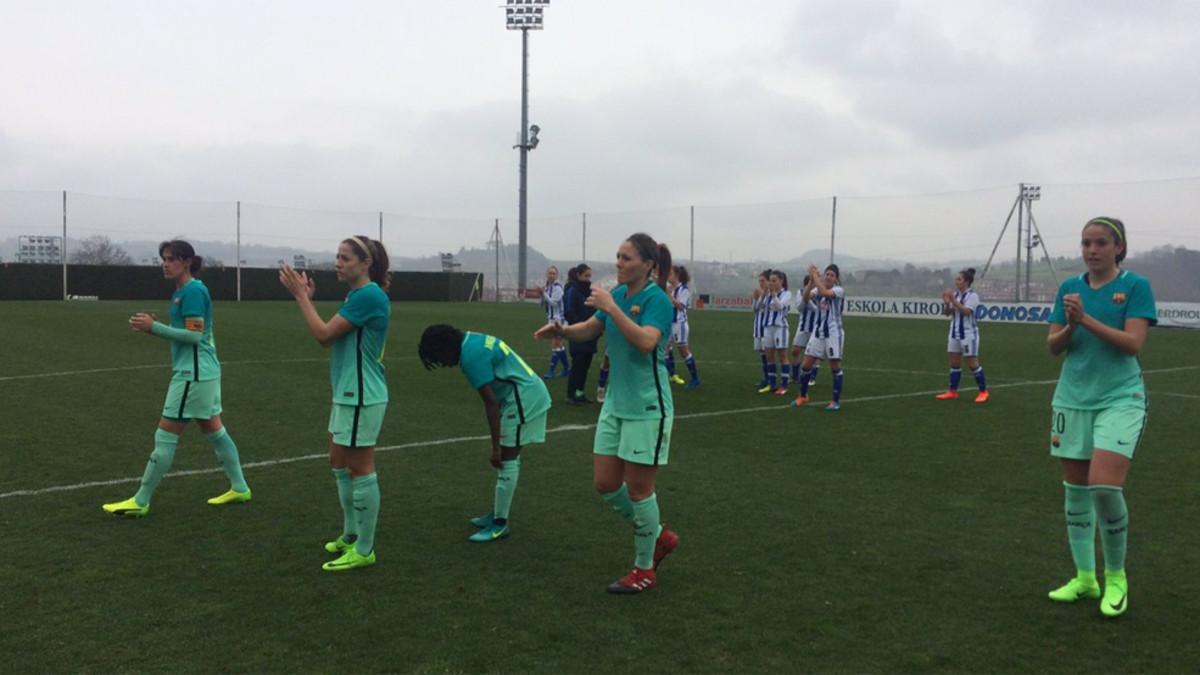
[(486, 359), (197, 362), (1095, 374), (637, 384), (356, 365)]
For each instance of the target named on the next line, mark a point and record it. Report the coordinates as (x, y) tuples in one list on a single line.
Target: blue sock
[(670, 363), (837, 385), (812, 377), (773, 375), (786, 370), (691, 366), (603, 381), (765, 366), (955, 377), (980, 379), (805, 376), (796, 372), (564, 360)]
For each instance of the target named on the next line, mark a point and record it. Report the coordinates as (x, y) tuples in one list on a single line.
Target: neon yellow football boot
[(349, 560), (1116, 594), (230, 497), (340, 545), (1076, 589), (128, 508)]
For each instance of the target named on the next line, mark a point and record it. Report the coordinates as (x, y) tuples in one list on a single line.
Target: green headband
[(1110, 224)]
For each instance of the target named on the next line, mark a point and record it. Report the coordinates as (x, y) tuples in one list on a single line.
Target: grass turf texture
[(900, 534)]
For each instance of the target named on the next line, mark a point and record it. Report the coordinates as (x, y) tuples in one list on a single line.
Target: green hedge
[(122, 282)]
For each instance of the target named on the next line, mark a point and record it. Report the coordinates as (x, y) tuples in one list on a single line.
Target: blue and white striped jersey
[(760, 315), (963, 326), (683, 295), (552, 298), (829, 312), (808, 315), (778, 306)]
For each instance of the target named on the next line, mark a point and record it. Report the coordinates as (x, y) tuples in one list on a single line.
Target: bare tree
[(100, 250)]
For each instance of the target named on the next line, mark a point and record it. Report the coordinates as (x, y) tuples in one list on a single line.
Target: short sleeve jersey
[(486, 359), (683, 295), (197, 362), (552, 297), (356, 365), (778, 306), (637, 385), (964, 326), (1096, 375), (808, 314), (829, 312)]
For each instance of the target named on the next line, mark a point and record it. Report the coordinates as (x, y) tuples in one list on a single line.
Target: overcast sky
[(650, 106)]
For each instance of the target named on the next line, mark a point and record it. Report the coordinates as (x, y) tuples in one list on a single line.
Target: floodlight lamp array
[(1031, 192), (524, 14)]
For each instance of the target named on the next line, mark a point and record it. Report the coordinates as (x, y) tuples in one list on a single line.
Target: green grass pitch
[(901, 534)]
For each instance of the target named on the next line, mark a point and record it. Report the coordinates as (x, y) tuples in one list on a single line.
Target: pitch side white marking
[(1171, 393), (558, 429), (118, 369)]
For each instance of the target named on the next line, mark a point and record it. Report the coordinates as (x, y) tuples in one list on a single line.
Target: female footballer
[(515, 403), (758, 303), (807, 309), (828, 336), (195, 389), (552, 301), (681, 298), (633, 434), (358, 336), (960, 305), (1099, 321), (775, 335)]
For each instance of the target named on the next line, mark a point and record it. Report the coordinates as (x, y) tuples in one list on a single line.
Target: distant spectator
[(579, 287)]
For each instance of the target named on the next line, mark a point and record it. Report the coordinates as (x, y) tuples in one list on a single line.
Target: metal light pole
[(524, 15)]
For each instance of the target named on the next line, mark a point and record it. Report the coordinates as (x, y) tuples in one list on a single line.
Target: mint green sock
[(1113, 518), (159, 464), (506, 487), (366, 509), (620, 502), (645, 531), (346, 496), (227, 456), (1081, 526)]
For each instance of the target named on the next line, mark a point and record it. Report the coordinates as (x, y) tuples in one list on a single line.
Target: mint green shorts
[(515, 434), (190, 400), (638, 441), (1075, 433), (354, 426)]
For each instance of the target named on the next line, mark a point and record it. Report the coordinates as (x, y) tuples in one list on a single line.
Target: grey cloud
[(908, 75)]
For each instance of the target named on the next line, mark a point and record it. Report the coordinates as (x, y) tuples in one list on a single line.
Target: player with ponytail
[(195, 389), (1100, 320), (633, 434), (357, 335), (960, 305)]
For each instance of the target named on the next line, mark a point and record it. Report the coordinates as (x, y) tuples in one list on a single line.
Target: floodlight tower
[(524, 15), (1023, 207)]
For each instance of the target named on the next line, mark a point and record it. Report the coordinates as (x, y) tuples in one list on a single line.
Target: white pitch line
[(1170, 393), (558, 429), (118, 369), (751, 365)]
